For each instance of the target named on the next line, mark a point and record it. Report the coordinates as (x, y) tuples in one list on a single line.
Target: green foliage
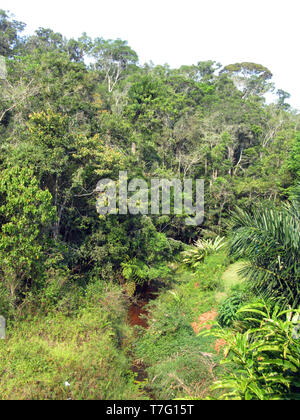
[(135, 271), (5, 301), (178, 363), (66, 124), (293, 165), (202, 286), (27, 216), (88, 351), (250, 77), (48, 128), (294, 160), (9, 34), (202, 248), (269, 238), (265, 359), (185, 374), (227, 311), (112, 58)]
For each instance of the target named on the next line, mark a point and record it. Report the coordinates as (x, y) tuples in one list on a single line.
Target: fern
[(135, 271)]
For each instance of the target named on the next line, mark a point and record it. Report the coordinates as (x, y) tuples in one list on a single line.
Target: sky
[(181, 32)]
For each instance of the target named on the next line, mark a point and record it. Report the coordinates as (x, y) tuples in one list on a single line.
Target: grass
[(231, 277), (88, 353), (180, 363), (80, 357)]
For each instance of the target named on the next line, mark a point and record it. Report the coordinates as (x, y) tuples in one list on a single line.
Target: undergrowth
[(181, 364), (80, 357)]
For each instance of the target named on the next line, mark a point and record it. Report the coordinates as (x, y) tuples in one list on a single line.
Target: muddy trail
[(137, 316)]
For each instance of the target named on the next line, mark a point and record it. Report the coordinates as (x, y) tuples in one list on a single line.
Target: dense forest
[(74, 111)]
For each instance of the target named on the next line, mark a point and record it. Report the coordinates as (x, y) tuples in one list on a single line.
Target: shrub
[(209, 274), (265, 359), (5, 307), (227, 311), (202, 248), (27, 216), (136, 272)]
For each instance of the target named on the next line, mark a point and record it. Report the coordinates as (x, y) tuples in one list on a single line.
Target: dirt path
[(204, 321)]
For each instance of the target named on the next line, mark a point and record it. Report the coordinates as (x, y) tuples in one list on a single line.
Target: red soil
[(201, 322)]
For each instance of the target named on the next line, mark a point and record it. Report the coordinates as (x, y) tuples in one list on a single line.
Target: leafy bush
[(179, 363), (227, 311), (209, 274), (5, 307), (26, 215), (208, 282), (202, 248), (265, 361), (134, 270)]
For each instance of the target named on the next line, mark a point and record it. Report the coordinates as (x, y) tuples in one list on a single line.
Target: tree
[(27, 215), (9, 34), (293, 164), (45, 40), (251, 78), (203, 71), (282, 96), (112, 57), (44, 79), (14, 93)]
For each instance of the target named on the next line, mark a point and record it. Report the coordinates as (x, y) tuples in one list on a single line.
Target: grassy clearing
[(79, 357)]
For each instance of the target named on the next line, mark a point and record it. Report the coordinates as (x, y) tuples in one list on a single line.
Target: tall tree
[(10, 30), (250, 78), (113, 57)]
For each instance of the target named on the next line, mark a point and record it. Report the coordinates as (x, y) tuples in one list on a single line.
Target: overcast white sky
[(183, 31)]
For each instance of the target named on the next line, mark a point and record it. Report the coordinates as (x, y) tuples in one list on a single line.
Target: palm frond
[(269, 238)]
